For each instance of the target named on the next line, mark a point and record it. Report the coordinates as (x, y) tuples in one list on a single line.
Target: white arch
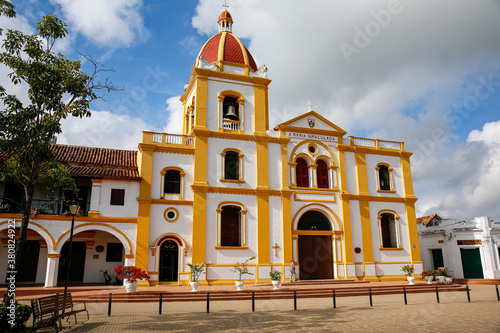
[(127, 245), (47, 237)]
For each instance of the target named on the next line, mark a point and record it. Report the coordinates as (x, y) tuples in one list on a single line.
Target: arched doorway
[(169, 261), (315, 251)]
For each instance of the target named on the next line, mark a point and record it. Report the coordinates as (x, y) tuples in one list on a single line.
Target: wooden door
[(315, 257)]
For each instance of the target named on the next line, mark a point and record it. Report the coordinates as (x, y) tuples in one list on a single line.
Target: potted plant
[(196, 270), (130, 275), (276, 279), (443, 275), (429, 275), (410, 273), (241, 268)]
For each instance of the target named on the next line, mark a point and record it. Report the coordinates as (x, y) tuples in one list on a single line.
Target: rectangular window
[(117, 197), (114, 252)]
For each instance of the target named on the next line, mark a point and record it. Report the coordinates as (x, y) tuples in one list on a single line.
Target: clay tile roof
[(232, 50), (224, 14), (211, 49), (426, 219), (98, 162)]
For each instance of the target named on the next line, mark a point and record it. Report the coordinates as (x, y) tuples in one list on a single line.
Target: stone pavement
[(353, 314)]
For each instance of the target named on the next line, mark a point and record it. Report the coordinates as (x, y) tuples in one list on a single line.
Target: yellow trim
[(263, 248), (243, 222), (53, 255), (336, 225), (261, 117), (391, 248), (398, 228), (377, 178), (170, 202), (284, 126), (181, 185), (315, 146), (166, 235), (104, 219), (231, 247), (220, 55), (315, 232), (168, 210), (37, 225), (345, 208), (311, 200), (240, 166)]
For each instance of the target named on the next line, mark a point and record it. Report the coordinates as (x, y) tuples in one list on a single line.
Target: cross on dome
[(225, 20)]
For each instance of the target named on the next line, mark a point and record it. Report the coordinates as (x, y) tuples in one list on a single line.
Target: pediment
[(311, 122)]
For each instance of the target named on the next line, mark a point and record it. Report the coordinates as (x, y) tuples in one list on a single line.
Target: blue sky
[(423, 72)]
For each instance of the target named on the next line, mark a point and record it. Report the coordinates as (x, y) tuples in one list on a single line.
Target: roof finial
[(225, 5), (310, 105)]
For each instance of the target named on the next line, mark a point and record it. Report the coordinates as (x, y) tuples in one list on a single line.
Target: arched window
[(172, 182), (232, 166), (322, 174), (230, 226), (384, 173), (388, 231), (231, 111), (301, 173)]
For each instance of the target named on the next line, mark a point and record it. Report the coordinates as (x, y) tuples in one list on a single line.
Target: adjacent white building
[(470, 249)]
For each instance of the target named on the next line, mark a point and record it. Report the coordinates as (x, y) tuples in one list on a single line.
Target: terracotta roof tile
[(426, 219), (98, 162)]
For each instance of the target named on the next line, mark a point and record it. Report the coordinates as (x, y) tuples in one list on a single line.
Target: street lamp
[(74, 208)]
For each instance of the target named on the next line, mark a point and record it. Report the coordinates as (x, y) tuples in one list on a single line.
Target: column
[(52, 270)]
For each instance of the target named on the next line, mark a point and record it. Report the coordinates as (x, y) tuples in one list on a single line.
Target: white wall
[(130, 207)]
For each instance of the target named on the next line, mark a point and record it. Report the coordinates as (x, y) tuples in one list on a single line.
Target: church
[(230, 188)]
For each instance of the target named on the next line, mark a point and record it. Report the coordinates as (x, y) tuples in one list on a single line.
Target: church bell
[(231, 113)]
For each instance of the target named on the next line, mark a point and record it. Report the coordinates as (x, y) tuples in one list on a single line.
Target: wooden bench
[(49, 310)]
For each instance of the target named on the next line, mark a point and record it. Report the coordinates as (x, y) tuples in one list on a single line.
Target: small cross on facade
[(309, 105), (275, 247)]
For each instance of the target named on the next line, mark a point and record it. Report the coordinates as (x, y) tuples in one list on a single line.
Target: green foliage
[(241, 268), (56, 87), (275, 275), (6, 9), (409, 270), (196, 270), (21, 315), (443, 271)]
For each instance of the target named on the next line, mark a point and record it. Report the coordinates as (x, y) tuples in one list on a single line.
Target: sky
[(423, 72)]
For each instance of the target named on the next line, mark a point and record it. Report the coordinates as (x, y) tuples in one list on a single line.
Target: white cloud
[(466, 184), (103, 129), (112, 23), (414, 61), (174, 121)]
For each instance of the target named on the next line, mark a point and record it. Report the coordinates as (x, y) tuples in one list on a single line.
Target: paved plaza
[(353, 314)]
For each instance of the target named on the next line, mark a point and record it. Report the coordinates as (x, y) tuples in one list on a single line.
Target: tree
[(57, 87), (6, 9)]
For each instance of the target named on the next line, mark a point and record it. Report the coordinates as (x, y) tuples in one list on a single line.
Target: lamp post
[(74, 208)]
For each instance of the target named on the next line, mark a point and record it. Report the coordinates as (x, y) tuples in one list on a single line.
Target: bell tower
[(226, 112)]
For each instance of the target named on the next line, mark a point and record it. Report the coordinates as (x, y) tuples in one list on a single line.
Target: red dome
[(225, 48), (225, 15)]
